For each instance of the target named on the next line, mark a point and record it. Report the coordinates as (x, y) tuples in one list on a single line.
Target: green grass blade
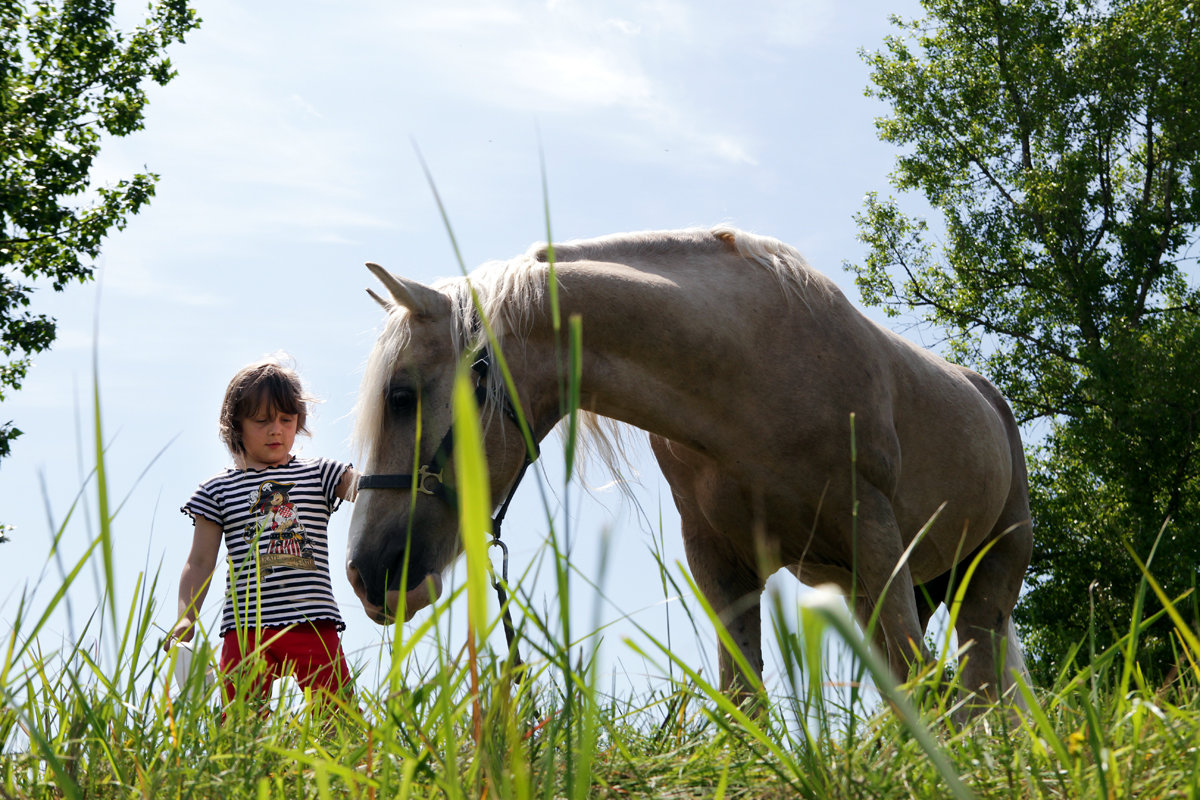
[(552, 286), (105, 519), (574, 377), (65, 781), (474, 500), (1183, 629), (830, 606), (31, 636)]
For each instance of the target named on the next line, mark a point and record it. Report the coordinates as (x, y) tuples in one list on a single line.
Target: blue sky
[(287, 150)]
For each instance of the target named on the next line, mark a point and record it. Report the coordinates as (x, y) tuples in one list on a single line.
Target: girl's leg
[(238, 645), (314, 652)]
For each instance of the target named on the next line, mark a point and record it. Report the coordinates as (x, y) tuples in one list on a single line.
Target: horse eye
[(402, 400)]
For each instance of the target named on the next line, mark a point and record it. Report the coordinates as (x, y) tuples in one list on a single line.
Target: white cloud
[(728, 149), (578, 80), (780, 24), (272, 119), (447, 18), (623, 26), (299, 102), (127, 273), (572, 61), (244, 131)]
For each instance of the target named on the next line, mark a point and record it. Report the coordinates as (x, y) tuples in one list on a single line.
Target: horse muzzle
[(421, 595)]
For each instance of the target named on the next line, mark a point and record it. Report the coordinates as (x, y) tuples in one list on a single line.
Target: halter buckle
[(497, 542), (423, 474)]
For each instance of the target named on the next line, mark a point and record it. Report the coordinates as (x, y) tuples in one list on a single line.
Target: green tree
[(1059, 143), (68, 80)]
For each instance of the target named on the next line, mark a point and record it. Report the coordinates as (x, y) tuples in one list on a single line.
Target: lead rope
[(499, 584), (482, 366)]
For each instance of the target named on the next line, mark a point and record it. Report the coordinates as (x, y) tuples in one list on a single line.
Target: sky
[(290, 150)]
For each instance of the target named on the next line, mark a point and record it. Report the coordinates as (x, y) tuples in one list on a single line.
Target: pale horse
[(745, 365)]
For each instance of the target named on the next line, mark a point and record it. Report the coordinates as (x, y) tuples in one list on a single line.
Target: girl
[(272, 510)]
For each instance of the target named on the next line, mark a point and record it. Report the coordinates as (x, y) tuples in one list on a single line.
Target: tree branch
[(972, 320)]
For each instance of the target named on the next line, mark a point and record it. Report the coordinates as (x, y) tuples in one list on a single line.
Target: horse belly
[(750, 523), (965, 471)]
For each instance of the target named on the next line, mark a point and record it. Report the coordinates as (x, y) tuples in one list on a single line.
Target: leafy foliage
[(1059, 141), (67, 81)]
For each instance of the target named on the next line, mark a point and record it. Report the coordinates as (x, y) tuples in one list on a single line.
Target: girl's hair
[(266, 387)]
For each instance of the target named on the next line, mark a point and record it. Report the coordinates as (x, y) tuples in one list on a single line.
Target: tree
[(1060, 142), (67, 80)]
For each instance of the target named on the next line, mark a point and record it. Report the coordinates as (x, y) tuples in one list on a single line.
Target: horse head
[(404, 530)]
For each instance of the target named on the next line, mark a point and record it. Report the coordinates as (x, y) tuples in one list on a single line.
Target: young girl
[(272, 510)]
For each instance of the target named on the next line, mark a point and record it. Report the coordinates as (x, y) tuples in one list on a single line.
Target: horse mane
[(506, 294), (793, 272)]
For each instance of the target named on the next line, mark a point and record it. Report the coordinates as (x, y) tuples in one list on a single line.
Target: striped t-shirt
[(275, 522)]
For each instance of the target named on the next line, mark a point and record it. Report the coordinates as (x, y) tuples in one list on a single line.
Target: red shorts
[(311, 652)]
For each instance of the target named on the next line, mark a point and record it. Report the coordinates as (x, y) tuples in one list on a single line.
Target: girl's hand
[(183, 632), (193, 581)]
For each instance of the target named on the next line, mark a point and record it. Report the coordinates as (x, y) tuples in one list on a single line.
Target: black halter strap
[(426, 481), (429, 479)]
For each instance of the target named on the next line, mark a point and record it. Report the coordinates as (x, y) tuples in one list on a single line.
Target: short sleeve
[(203, 503), (331, 476)]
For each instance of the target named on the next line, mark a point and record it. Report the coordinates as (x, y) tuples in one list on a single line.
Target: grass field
[(467, 729)]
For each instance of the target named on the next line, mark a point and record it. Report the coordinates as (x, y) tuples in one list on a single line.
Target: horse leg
[(984, 619), (730, 584), (733, 589), (884, 591), (896, 631)]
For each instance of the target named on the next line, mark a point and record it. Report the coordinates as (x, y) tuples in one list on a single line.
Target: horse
[(794, 432)]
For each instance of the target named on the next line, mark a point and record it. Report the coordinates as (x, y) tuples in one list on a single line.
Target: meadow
[(471, 725)]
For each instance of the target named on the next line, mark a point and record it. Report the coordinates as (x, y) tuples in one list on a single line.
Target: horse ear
[(387, 306), (416, 297)]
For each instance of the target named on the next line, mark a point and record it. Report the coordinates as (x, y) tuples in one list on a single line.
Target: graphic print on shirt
[(282, 540)]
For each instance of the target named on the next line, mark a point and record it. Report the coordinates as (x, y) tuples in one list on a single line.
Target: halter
[(427, 481)]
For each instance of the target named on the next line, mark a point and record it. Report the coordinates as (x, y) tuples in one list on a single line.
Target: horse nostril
[(356, 581)]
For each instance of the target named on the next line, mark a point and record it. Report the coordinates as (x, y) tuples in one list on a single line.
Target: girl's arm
[(194, 580), (347, 487)]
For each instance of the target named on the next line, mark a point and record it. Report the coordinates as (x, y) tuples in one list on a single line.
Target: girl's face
[(268, 440)]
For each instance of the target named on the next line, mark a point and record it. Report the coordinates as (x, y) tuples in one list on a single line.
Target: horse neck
[(649, 347)]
